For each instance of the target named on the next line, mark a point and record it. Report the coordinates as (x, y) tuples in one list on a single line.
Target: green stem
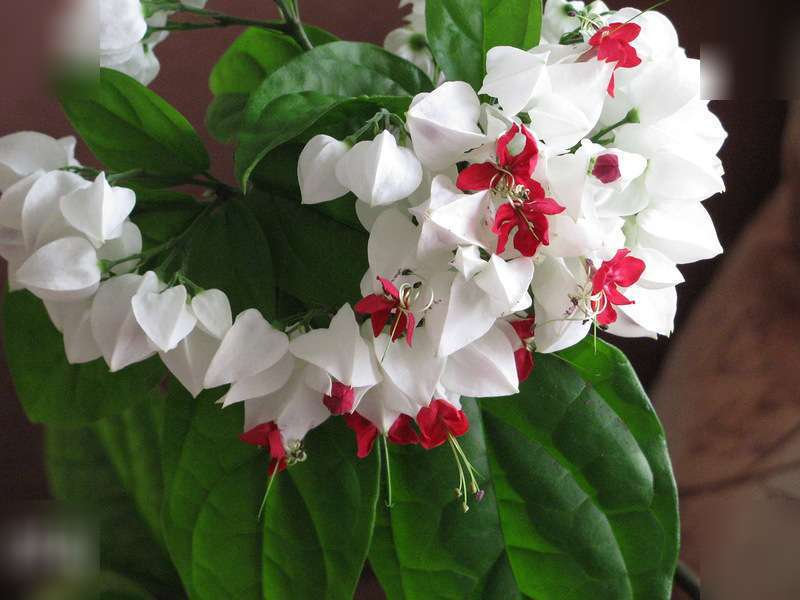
[(291, 17), (389, 502), (631, 117)]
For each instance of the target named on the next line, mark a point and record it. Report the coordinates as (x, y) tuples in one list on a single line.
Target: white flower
[(114, 326), (261, 384), (164, 316), (657, 38), (121, 27), (250, 346), (190, 360), (444, 125), (514, 77), (41, 218), (651, 314), (98, 210), (127, 244), (316, 169), (486, 368), (63, 270), (73, 319), (450, 219), (379, 172), (595, 238), (26, 152), (411, 45), (339, 350), (684, 232), (142, 64)]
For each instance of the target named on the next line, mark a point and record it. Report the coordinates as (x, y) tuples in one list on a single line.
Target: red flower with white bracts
[(341, 398), (523, 356), (268, 436), (623, 271), (529, 216), (509, 171), (613, 44), (380, 308), (439, 421), (401, 432)]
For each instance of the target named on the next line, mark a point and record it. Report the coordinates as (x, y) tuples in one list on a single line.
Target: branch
[(291, 19), (688, 581)]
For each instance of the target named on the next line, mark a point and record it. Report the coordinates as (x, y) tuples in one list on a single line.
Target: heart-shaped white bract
[(122, 341), (64, 270), (379, 172), (98, 210), (261, 384), (41, 210), (252, 345), (316, 169), (129, 243), (213, 311), (485, 368), (25, 152), (164, 316), (189, 361)]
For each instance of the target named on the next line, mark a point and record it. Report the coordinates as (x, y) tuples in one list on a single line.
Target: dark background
[(754, 120)]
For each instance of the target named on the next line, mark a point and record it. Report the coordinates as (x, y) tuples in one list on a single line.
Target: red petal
[(608, 316), (258, 435), (399, 326), (524, 164), (477, 177), (379, 320), (606, 168), (389, 288), (502, 145), (366, 433), (545, 206), (524, 361), (611, 86), (374, 303), (614, 296), (432, 429), (627, 32), (341, 399), (411, 324), (402, 432), (524, 328)]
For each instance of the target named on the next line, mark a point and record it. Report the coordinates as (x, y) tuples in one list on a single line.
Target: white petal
[(213, 311), (250, 346), (383, 403), (13, 199), (444, 124), (25, 152), (513, 76), (559, 322), (79, 343), (261, 384), (659, 272), (119, 336), (42, 202), (66, 269), (189, 361), (164, 316), (653, 310), (316, 169), (339, 350), (506, 281), (415, 371), (98, 210), (683, 233), (127, 244), (484, 369)]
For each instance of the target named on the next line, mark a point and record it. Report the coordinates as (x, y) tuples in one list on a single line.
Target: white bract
[(316, 169)]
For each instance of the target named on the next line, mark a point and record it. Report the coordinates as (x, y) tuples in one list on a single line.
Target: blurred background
[(727, 385)]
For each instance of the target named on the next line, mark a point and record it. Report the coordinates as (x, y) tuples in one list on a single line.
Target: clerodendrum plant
[(420, 252)]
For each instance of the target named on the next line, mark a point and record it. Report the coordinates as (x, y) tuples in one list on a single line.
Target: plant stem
[(688, 581), (631, 117), (291, 17)]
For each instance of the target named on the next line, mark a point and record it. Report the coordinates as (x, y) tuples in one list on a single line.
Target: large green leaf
[(461, 32), (317, 523), (110, 471), (127, 126), (53, 391), (580, 484), (229, 251), (317, 260), (345, 69), (512, 23), (225, 116)]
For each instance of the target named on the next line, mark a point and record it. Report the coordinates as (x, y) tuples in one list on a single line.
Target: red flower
[(606, 168), (401, 432), (622, 270), (439, 421), (523, 355), (381, 307), (340, 400), (513, 170), (613, 44), (267, 435), (529, 217)]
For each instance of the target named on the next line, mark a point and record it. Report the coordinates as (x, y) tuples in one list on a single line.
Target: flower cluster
[(496, 229)]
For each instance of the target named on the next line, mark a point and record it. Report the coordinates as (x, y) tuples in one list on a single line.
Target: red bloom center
[(392, 303), (268, 436), (523, 356), (606, 168), (528, 216), (509, 171), (620, 271), (439, 421), (613, 44), (401, 432), (341, 399)]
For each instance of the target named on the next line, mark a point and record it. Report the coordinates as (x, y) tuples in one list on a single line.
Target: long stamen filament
[(389, 502), (461, 491), (266, 493)]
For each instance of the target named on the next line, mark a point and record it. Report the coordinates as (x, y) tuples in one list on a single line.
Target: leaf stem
[(631, 117), (291, 20), (688, 581)]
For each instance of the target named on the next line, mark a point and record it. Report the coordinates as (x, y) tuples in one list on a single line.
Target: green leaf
[(515, 23), (55, 392), (580, 502), (230, 252), (455, 35), (314, 535), (296, 117), (346, 69), (425, 546), (225, 116), (127, 126), (461, 32), (317, 260), (123, 494)]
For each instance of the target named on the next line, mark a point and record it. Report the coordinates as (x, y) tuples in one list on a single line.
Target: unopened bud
[(473, 487), (479, 495)]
